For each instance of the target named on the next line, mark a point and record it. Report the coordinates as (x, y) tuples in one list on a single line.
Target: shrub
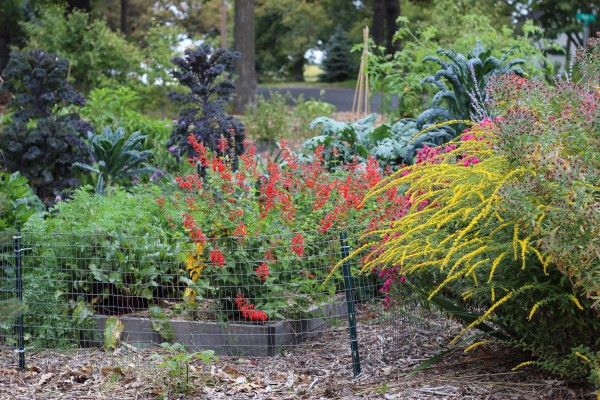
[(284, 118), (97, 55), (205, 118), (44, 138), (493, 220)]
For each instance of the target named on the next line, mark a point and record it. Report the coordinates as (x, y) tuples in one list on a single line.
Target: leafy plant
[(122, 107), (347, 143), (281, 117), (43, 140), (461, 84), (204, 116), (17, 203), (97, 55), (400, 74), (117, 156), (177, 364), (124, 258), (50, 320)]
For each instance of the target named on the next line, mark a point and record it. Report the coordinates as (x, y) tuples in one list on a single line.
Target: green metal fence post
[(19, 289), (350, 303)]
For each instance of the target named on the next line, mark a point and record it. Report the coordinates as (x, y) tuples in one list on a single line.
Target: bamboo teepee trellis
[(361, 105)]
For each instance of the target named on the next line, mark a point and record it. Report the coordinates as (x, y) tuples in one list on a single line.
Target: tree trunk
[(124, 16), (299, 69), (245, 67), (83, 5), (392, 12), (223, 24), (378, 25)]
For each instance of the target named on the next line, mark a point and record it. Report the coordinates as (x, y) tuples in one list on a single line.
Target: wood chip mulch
[(317, 369)]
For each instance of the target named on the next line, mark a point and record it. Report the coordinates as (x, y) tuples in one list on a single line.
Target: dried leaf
[(45, 378)]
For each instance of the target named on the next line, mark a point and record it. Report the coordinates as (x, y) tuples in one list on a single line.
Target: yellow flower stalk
[(576, 301), (477, 344), (533, 310), (523, 364)]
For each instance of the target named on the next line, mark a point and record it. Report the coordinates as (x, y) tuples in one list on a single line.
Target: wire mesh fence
[(243, 297)]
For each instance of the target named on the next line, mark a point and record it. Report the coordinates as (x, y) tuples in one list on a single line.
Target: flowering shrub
[(262, 238), (507, 219)]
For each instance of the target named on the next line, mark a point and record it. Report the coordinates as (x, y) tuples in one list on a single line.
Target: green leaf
[(161, 323), (112, 332)]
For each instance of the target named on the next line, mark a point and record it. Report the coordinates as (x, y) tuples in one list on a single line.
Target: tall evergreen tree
[(338, 64)]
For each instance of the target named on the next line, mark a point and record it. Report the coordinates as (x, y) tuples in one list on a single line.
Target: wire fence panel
[(243, 297)]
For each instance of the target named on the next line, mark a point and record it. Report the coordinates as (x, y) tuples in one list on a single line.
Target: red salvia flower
[(217, 258), (298, 245), (262, 271), (248, 310)]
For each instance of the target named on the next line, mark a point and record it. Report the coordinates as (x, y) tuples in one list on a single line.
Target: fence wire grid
[(245, 298)]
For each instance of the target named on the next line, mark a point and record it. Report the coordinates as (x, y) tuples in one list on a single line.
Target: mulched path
[(318, 369)]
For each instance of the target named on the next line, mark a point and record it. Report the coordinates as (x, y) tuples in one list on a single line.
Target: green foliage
[(339, 64), (43, 139), (10, 309), (461, 84), (117, 156), (347, 143), (122, 107), (113, 329), (177, 364), (161, 323), (17, 203), (401, 74), (281, 117), (97, 55), (288, 28), (50, 320), (119, 256)]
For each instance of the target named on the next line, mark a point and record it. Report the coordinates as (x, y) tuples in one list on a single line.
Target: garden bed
[(239, 338)]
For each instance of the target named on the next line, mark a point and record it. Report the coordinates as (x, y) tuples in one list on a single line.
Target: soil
[(318, 369)]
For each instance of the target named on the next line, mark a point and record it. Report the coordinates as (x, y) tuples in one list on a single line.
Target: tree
[(338, 63), (245, 67), (385, 13), (288, 28), (96, 54), (558, 16), (198, 18)]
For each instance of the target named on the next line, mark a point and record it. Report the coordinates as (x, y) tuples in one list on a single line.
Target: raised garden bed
[(249, 339)]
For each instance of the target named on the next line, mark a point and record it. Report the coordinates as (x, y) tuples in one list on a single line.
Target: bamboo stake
[(361, 105)]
